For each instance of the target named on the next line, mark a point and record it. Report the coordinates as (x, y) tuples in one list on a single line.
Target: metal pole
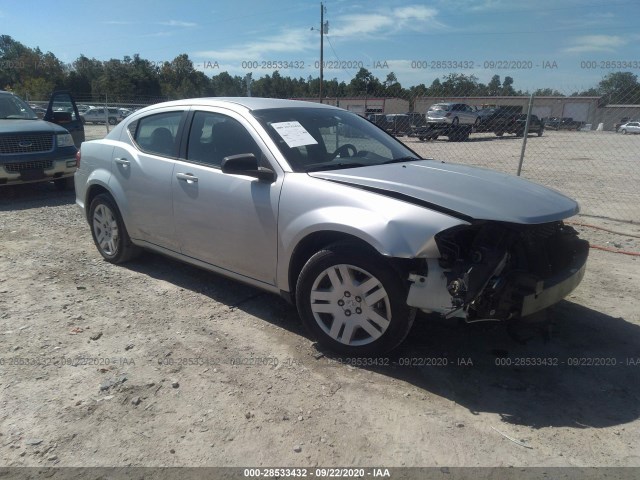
[(321, 46), (106, 111), (526, 134)]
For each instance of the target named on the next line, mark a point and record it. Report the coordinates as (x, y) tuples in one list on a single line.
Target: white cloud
[(383, 22), (596, 43), (480, 6), (289, 42), (297, 44), (117, 22), (178, 23)]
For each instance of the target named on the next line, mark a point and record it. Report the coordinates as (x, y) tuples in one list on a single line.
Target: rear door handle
[(189, 178), (122, 161)]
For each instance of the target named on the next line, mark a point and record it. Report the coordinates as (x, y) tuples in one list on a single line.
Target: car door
[(68, 118), (142, 172), (229, 221), (468, 114)]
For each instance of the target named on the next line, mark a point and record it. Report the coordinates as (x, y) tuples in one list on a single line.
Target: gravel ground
[(155, 363)]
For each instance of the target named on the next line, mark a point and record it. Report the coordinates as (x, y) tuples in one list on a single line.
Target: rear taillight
[(78, 159)]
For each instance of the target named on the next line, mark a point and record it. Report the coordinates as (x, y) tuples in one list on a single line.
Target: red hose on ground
[(607, 249), (602, 228), (613, 250)]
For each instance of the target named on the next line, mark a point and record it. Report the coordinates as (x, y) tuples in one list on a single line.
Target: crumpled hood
[(460, 190)]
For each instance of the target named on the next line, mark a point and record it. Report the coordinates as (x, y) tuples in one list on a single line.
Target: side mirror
[(247, 164)]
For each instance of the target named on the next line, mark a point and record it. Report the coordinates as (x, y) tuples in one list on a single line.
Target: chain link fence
[(579, 145)]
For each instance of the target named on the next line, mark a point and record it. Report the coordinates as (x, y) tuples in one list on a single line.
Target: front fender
[(394, 228)]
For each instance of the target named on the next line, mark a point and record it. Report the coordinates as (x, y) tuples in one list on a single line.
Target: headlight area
[(499, 271), (64, 140)]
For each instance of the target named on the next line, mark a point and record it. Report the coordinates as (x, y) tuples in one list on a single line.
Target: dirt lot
[(157, 363)]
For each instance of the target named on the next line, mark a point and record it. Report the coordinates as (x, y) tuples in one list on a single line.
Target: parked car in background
[(100, 115), (357, 230), (397, 124), (496, 119), (39, 150), (622, 121), (518, 124), (39, 111), (84, 108), (124, 113), (416, 122), (452, 114), (565, 123), (630, 127)]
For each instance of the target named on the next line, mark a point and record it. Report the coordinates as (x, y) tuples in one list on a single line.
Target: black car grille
[(26, 143), (24, 166)]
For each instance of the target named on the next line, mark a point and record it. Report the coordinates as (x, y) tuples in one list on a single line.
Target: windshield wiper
[(401, 160), (333, 166)]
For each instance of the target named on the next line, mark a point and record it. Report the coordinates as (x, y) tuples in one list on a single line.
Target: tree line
[(31, 73)]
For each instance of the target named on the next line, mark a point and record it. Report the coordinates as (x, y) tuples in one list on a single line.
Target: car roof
[(249, 103)]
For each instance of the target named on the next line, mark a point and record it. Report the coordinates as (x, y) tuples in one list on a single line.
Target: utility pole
[(321, 47)]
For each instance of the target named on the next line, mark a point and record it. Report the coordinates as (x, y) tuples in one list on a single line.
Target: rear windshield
[(440, 106)]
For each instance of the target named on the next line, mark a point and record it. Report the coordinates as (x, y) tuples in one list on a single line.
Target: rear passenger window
[(157, 133)]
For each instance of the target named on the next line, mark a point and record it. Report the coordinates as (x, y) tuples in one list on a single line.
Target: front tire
[(624, 131), (112, 121), (353, 301), (108, 231)]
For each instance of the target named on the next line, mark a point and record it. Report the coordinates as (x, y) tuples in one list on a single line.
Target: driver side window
[(214, 136)]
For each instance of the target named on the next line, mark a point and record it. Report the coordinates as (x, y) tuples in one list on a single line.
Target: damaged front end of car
[(499, 271)]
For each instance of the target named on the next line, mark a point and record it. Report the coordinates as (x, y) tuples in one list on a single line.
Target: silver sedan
[(452, 114), (317, 204), (630, 127)]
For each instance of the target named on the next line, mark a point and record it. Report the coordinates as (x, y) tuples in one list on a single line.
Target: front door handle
[(189, 178)]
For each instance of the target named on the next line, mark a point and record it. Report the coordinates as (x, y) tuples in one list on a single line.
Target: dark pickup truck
[(496, 119), (519, 122), (565, 123)]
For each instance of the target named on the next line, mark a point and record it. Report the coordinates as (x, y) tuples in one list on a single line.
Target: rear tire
[(109, 232), (499, 133), (353, 301), (624, 131), (112, 121)]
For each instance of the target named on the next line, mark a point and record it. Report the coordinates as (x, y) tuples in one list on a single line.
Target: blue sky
[(572, 39)]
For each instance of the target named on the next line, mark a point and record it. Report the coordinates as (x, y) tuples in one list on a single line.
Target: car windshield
[(313, 139), (12, 107)]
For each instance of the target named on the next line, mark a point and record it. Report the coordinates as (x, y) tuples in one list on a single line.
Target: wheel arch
[(316, 241), (92, 192)]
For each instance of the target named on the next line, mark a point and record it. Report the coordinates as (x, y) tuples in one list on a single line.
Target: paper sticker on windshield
[(294, 134)]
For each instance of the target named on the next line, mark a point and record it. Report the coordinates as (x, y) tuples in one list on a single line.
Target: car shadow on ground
[(576, 367), (33, 195)]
